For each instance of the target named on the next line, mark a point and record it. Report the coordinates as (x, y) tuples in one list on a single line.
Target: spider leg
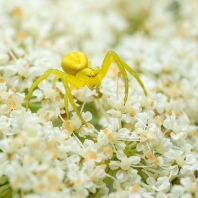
[(40, 79), (54, 81), (70, 97), (73, 81), (134, 74), (109, 58), (112, 56), (66, 105)]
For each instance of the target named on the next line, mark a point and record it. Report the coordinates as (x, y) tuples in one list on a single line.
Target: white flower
[(188, 163), (84, 94), (133, 149), (178, 131), (3, 58), (178, 191), (162, 184)]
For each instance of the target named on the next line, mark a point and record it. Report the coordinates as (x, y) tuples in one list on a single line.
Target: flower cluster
[(146, 147)]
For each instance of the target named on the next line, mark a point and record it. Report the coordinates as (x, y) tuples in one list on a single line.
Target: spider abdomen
[(74, 62)]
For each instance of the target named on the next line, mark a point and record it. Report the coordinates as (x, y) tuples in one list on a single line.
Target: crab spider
[(78, 73)]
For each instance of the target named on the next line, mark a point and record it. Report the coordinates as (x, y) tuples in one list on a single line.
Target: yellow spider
[(78, 73)]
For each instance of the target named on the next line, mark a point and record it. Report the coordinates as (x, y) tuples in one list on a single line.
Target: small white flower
[(162, 184), (135, 159), (3, 58), (84, 94)]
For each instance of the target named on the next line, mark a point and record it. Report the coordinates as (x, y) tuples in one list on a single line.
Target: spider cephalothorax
[(78, 73)]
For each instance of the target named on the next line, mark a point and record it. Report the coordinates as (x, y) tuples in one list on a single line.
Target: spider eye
[(92, 74), (74, 62)]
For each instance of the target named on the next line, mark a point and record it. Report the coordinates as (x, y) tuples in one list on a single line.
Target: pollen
[(54, 188), (151, 103), (108, 150), (178, 85), (161, 120), (50, 144), (110, 137), (115, 71), (1, 80), (119, 74), (169, 112), (17, 11), (130, 125), (47, 116), (21, 35), (22, 56), (55, 154), (78, 182), (195, 132), (135, 188), (149, 155), (12, 105), (10, 97), (67, 126), (131, 111), (156, 89), (155, 163), (91, 155), (18, 134), (105, 131), (90, 126), (57, 98), (13, 89), (167, 175), (77, 94), (15, 182), (16, 144), (196, 183), (145, 137), (51, 178), (52, 42), (57, 89), (177, 113), (103, 166), (165, 82)]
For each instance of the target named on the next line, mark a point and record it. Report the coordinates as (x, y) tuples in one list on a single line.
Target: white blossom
[(131, 144)]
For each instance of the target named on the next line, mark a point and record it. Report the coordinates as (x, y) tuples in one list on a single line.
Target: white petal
[(135, 159), (190, 159), (114, 165), (87, 116)]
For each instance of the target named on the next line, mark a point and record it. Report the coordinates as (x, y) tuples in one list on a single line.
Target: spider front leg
[(112, 56), (40, 79), (68, 95), (66, 105)]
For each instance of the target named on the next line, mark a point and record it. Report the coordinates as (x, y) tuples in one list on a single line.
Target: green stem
[(97, 194), (108, 179)]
